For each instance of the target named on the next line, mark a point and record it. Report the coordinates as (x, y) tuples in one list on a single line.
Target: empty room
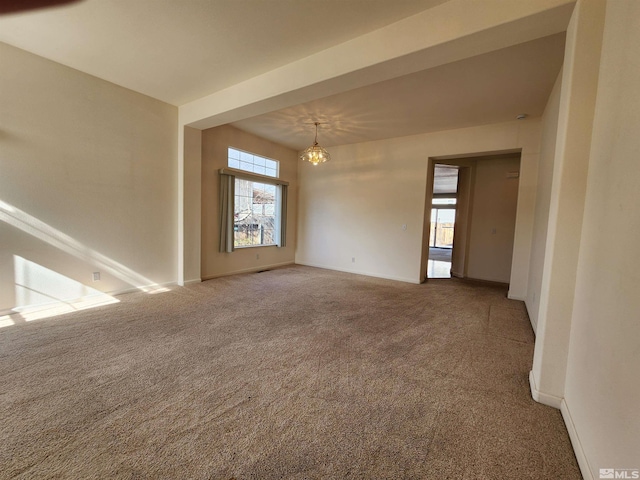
[(304, 239)]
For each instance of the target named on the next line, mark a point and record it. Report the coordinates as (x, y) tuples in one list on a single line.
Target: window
[(255, 213), (253, 207), (443, 218), (252, 163)]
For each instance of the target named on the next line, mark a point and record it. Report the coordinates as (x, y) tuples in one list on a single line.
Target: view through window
[(443, 216), (254, 214)]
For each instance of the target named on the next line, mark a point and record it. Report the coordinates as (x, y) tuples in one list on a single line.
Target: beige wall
[(543, 198), (356, 205), (493, 219), (87, 182), (215, 142), (462, 222), (602, 390), (191, 205)]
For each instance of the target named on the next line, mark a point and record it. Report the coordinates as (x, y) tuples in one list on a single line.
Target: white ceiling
[(490, 88), (181, 50), (178, 51)]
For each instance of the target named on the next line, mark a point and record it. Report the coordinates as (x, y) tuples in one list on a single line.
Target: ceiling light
[(522, 116), (315, 154)]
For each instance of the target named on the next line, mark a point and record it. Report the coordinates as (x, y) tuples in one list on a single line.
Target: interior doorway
[(481, 193), (443, 219)]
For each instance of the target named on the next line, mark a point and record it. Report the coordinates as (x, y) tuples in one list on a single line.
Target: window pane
[(444, 227), (255, 213), (252, 163), (247, 167)]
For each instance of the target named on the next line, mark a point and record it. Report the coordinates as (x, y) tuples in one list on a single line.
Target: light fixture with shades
[(315, 154)]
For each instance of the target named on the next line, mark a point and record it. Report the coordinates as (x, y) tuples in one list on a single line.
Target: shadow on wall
[(41, 292)]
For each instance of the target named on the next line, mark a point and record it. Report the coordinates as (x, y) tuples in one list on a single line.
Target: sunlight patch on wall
[(45, 232), (42, 293)]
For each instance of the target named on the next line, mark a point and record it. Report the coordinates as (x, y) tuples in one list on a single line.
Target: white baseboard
[(142, 288), (360, 272), (583, 463), (192, 281), (541, 397), (246, 270), (516, 297), (561, 403)]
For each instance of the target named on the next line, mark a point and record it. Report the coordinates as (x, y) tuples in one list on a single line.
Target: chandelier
[(315, 154)]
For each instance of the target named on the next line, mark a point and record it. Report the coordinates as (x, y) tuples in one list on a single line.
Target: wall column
[(568, 190)]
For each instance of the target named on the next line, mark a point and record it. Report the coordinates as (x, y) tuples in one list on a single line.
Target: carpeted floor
[(295, 373)]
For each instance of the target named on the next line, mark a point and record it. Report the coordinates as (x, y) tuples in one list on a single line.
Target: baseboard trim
[(541, 397), (359, 272), (561, 403), (142, 288), (481, 281), (192, 281), (516, 297), (246, 270), (583, 463)]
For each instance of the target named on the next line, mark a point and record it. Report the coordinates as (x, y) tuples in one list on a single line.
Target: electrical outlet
[(96, 276), (257, 256), (353, 259), (404, 226)]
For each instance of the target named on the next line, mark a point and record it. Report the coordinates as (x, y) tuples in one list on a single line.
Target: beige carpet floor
[(295, 373)]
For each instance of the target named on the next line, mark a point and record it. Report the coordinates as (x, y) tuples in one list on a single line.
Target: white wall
[(355, 205), (215, 142), (602, 390), (88, 178), (566, 207), (493, 219), (543, 198)]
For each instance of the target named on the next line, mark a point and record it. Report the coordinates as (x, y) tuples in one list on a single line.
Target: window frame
[(258, 178)]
